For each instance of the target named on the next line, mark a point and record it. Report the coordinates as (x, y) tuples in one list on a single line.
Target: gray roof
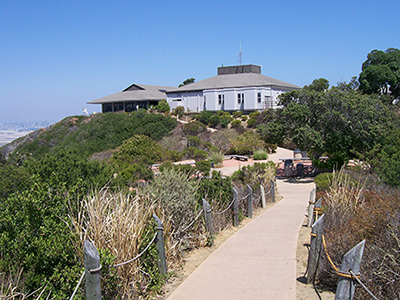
[(135, 92), (235, 81)]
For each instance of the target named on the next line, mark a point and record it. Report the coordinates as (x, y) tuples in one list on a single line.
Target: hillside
[(87, 135)]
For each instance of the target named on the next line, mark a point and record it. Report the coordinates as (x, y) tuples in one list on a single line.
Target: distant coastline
[(12, 131), (7, 136)]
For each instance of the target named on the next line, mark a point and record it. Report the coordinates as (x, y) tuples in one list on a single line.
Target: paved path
[(259, 260)]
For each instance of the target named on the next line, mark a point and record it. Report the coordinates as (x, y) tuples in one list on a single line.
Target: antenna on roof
[(240, 54)]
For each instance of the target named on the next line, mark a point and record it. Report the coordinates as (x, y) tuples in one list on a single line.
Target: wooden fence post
[(311, 206), (249, 201), (161, 262), (317, 209), (235, 208), (315, 249), (351, 262), (263, 202), (273, 190), (92, 271), (208, 219)]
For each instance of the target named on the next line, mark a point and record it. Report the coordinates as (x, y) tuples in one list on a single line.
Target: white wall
[(208, 99)]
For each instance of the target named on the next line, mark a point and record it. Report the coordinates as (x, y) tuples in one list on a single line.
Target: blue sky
[(57, 55)]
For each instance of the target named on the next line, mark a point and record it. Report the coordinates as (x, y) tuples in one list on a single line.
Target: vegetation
[(246, 143), (89, 135), (356, 211), (54, 195), (380, 73)]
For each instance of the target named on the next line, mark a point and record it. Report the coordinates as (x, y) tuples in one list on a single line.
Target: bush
[(237, 114), (204, 167), (177, 194), (214, 121), (133, 173), (254, 115), (140, 148), (163, 106), (251, 122), (260, 155), (235, 123), (193, 141), (225, 119), (222, 139), (194, 128), (244, 118), (217, 157), (179, 111), (355, 212), (253, 174), (204, 117), (246, 144)]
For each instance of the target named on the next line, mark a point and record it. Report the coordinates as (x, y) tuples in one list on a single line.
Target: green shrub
[(323, 181), (254, 115), (133, 173), (224, 120), (163, 106), (199, 154), (194, 128), (246, 143), (193, 141), (236, 123), (216, 190), (237, 114), (244, 118), (100, 132), (204, 167), (140, 148), (204, 117), (207, 145), (177, 194), (253, 174), (260, 155), (217, 157), (251, 122), (214, 121), (179, 111)]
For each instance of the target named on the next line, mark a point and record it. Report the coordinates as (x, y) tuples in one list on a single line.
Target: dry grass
[(354, 212), (11, 287), (120, 224)]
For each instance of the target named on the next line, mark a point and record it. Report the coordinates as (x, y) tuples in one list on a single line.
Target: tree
[(179, 111), (337, 123), (187, 81), (381, 73), (163, 106)]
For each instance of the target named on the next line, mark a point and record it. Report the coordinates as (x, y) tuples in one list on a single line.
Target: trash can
[(300, 170), (289, 168)]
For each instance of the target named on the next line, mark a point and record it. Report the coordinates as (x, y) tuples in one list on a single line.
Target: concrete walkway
[(259, 260)]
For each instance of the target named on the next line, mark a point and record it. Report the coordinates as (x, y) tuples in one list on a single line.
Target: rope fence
[(229, 206), (139, 255), (349, 272), (187, 227), (158, 239)]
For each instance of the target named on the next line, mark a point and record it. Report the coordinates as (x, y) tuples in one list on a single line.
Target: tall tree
[(381, 73), (187, 81), (338, 123)]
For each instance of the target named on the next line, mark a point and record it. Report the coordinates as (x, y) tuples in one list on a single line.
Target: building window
[(221, 99), (240, 98), (118, 106), (107, 107), (259, 97)]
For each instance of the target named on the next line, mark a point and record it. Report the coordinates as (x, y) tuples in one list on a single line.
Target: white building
[(234, 88)]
